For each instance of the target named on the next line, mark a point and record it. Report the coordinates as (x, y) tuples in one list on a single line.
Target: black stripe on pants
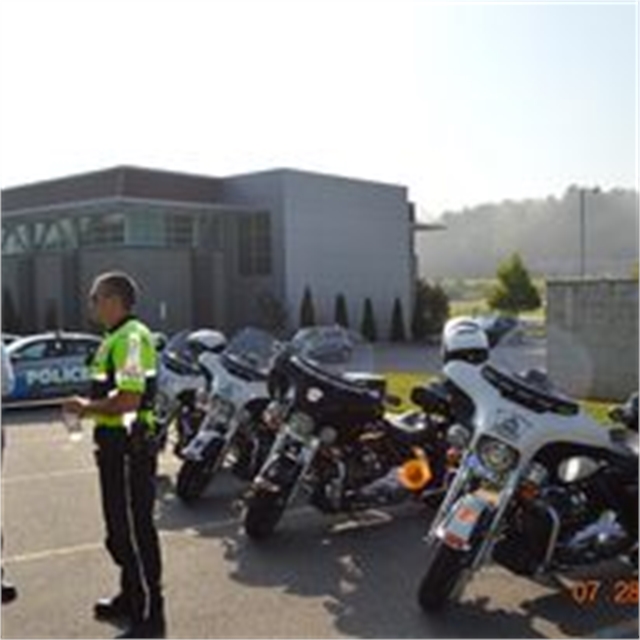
[(127, 485)]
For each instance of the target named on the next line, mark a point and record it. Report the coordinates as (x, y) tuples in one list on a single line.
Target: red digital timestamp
[(620, 592)]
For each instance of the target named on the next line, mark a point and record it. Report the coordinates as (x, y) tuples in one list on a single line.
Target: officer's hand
[(76, 404)]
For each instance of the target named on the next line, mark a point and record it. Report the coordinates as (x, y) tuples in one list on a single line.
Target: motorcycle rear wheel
[(444, 570), (195, 475)]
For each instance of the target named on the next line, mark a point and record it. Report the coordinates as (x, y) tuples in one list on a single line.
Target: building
[(219, 252)]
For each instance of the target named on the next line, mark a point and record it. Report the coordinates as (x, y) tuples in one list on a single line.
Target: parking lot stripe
[(188, 532), (35, 477)]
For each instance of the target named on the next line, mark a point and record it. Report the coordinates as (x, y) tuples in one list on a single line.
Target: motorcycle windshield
[(177, 354), (253, 349), (336, 365), (330, 346)]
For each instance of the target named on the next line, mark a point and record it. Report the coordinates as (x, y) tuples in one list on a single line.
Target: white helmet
[(464, 339), (206, 340)]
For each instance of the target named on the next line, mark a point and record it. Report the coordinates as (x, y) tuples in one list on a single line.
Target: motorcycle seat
[(535, 398)]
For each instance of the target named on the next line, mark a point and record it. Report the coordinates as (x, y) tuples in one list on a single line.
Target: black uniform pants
[(127, 484)]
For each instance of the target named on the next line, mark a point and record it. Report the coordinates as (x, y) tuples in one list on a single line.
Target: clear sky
[(462, 103)]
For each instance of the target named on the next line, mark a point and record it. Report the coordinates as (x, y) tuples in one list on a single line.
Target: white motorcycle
[(541, 486), (183, 384), (232, 427)]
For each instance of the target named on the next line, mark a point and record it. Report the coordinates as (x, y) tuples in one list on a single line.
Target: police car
[(51, 365)]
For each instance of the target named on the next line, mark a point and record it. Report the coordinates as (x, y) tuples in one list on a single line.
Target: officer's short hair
[(120, 284)]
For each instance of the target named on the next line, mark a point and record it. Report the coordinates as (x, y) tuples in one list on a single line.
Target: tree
[(368, 326), (397, 323), (341, 315), (430, 310), (514, 291), (307, 310)]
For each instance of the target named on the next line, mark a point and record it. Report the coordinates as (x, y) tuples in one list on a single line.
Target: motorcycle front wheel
[(263, 512), (194, 475), (444, 570), (252, 453)]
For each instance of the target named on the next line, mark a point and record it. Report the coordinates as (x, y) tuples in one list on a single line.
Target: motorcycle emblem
[(510, 425)]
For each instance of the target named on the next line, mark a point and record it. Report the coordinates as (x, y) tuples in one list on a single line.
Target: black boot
[(9, 592), (117, 608), (153, 626), (150, 628)]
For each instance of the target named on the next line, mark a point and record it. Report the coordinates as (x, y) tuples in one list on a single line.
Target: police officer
[(123, 374)]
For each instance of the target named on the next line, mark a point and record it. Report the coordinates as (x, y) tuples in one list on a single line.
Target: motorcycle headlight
[(497, 455), (301, 425), (273, 416)]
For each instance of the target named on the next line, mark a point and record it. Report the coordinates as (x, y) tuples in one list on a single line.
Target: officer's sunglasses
[(94, 298)]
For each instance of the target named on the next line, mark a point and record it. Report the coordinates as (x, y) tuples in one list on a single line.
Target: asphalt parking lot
[(319, 577)]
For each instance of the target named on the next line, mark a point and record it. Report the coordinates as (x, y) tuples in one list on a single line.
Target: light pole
[(583, 235), (582, 192)]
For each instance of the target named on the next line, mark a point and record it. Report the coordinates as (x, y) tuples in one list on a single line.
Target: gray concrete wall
[(592, 337), (351, 237)]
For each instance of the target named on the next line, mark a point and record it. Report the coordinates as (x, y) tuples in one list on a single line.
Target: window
[(57, 235), (103, 230), (34, 351), (84, 348), (254, 245), (179, 230), (145, 228), (15, 239)]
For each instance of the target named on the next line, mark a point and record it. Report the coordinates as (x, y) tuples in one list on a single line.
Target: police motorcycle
[(337, 446), (541, 487), (232, 429), (183, 384)]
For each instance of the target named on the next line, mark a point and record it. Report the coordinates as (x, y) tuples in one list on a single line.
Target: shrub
[(514, 291), (368, 326), (430, 310), (341, 315), (397, 323), (307, 310)]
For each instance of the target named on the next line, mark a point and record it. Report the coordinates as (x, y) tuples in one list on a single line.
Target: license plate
[(459, 527)]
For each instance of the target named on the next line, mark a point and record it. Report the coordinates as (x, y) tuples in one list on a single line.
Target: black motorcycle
[(336, 443)]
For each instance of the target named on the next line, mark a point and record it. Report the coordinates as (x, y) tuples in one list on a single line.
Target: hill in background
[(546, 233)]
